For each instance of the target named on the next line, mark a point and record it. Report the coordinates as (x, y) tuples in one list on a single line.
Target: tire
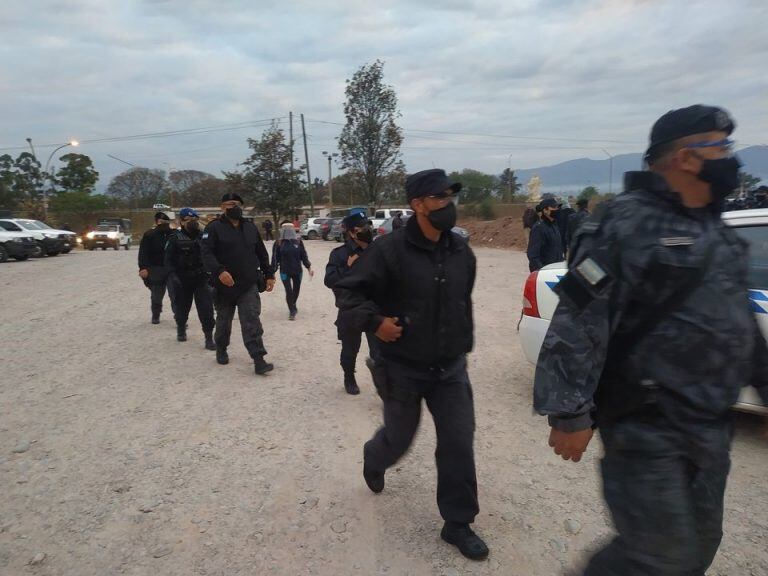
[(92, 248), (39, 250), (312, 235), (117, 246), (103, 247), (3, 254), (53, 253), (128, 245), (66, 251), (21, 258)]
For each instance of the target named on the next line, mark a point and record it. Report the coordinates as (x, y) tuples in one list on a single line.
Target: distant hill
[(574, 175)]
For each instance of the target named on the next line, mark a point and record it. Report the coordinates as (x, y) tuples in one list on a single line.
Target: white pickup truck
[(539, 301), (384, 214)]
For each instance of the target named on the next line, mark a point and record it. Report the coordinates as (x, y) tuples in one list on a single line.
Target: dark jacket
[(288, 255), (627, 260), (427, 286), (337, 268), (545, 245), (574, 221), (240, 251), (561, 219), (183, 259), (152, 247)]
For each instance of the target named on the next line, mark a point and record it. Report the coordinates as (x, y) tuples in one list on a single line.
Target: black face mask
[(192, 228), (364, 235), (443, 219), (164, 226), (235, 213), (722, 175)]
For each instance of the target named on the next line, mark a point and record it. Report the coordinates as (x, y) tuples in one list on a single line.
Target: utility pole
[(509, 177), (290, 133), (330, 176), (309, 178)]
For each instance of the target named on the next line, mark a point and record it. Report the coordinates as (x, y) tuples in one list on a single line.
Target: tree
[(508, 185), (77, 175), (81, 202), (10, 196), (180, 181), (138, 187), (748, 182), (588, 193), (370, 140), (393, 185), (268, 178), (29, 179), (476, 185), (207, 192)]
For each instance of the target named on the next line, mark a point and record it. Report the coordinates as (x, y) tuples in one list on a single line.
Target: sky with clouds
[(481, 84)]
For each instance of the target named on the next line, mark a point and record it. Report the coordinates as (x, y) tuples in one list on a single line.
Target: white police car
[(539, 301)]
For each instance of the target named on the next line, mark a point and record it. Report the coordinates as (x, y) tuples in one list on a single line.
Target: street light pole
[(610, 170), (330, 177), (509, 176), (47, 166)]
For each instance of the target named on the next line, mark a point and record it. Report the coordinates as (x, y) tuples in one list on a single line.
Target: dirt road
[(126, 452)]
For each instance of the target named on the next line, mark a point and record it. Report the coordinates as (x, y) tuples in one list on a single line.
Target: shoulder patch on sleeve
[(205, 235)]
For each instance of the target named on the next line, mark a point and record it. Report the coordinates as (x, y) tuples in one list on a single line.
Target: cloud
[(593, 73)]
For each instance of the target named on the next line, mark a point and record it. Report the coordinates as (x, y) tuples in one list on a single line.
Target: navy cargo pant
[(200, 293), (448, 394), (292, 284), (248, 306), (664, 486), (158, 283), (350, 346)]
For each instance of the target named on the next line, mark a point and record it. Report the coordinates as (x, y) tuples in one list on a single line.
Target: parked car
[(539, 301), (379, 216), (107, 236), (16, 245), (70, 238), (386, 228), (325, 227), (312, 228), (49, 241), (332, 229)]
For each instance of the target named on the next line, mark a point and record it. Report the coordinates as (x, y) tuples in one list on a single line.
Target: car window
[(10, 227), (30, 225), (757, 236), (42, 225), (380, 214)]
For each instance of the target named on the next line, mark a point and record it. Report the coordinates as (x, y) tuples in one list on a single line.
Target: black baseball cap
[(429, 182), (548, 203), (161, 216), (231, 196), (683, 122), (357, 220)]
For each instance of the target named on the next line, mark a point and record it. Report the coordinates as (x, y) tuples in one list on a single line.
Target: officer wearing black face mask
[(236, 258), (152, 268), (413, 289), (545, 246), (652, 341), (187, 275), (340, 262)]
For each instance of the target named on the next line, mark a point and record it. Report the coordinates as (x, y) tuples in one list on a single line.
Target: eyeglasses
[(725, 143)]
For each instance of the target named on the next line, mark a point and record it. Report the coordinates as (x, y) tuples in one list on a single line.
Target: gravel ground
[(123, 451)]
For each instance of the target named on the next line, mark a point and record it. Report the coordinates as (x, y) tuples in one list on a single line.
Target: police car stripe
[(757, 297), (553, 284)]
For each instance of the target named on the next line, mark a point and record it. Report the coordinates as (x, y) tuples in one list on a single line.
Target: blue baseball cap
[(188, 213)]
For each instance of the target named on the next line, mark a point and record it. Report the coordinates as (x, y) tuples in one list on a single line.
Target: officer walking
[(187, 275), (576, 219), (545, 245), (340, 262), (234, 254), (652, 340), (413, 289), (152, 268), (268, 226)]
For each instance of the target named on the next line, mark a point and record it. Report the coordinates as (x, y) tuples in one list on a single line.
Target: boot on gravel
[(209, 343)]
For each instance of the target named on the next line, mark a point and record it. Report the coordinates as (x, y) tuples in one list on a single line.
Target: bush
[(485, 210)]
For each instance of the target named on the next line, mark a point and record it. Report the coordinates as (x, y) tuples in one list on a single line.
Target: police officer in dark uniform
[(187, 275), (652, 341), (340, 262), (576, 219), (152, 268), (545, 245), (413, 289), (234, 254)]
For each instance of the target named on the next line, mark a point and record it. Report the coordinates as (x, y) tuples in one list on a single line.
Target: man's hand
[(226, 279), (351, 260), (570, 445), (270, 284), (388, 330), (144, 273), (311, 273)]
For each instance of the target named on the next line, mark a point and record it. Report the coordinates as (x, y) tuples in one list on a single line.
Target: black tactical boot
[(261, 366), (221, 355), (468, 543), (156, 314), (181, 332), (350, 384), (209, 343), (374, 479)]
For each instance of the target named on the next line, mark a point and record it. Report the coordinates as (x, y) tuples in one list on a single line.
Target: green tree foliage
[(588, 193), (180, 181), (508, 186), (138, 187), (77, 174), (206, 192), (370, 140), (268, 179), (81, 202), (476, 185), (748, 181), (21, 183)]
